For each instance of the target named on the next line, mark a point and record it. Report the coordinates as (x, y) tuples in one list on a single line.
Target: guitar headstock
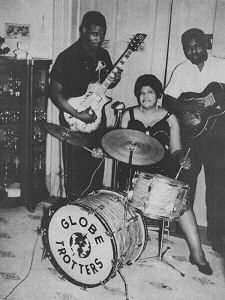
[(136, 41)]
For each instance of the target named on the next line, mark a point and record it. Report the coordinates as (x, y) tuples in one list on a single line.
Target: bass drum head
[(79, 245)]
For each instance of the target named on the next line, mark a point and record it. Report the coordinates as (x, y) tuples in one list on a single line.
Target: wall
[(39, 14)]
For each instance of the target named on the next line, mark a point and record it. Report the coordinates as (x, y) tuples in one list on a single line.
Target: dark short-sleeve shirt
[(74, 69)]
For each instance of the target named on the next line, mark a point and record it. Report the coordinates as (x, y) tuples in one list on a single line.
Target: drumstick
[(92, 152), (88, 149), (181, 167)]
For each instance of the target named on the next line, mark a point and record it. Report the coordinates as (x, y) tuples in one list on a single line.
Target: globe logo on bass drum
[(80, 244)]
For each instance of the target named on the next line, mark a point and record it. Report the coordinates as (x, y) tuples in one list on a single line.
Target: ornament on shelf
[(3, 47), (20, 51)]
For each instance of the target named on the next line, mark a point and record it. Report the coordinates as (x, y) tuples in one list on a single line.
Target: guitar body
[(93, 99), (194, 124)]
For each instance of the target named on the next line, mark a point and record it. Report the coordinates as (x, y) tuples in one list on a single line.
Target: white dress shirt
[(188, 78)]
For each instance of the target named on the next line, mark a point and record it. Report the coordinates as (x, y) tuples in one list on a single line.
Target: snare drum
[(158, 196), (87, 241)]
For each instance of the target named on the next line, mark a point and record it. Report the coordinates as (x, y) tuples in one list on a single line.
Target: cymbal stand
[(66, 181), (132, 148), (118, 110)]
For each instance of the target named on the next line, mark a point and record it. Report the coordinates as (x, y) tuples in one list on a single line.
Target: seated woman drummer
[(150, 118)]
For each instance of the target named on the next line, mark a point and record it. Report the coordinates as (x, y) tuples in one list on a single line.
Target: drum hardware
[(118, 270), (120, 265), (119, 108), (124, 281), (118, 198), (84, 288), (125, 222), (118, 230), (139, 245), (132, 148), (44, 254), (110, 234), (93, 211), (132, 219), (125, 284), (51, 212)]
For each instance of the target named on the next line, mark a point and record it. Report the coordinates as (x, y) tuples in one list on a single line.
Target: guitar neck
[(109, 79)]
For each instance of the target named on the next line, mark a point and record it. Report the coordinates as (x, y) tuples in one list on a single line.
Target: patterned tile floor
[(25, 276)]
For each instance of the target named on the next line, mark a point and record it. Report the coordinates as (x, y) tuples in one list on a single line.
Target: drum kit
[(89, 239)]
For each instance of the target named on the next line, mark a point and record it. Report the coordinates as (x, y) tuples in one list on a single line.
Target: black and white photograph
[(112, 150)]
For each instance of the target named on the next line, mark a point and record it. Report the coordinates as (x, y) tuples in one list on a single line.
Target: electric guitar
[(195, 124), (95, 95)]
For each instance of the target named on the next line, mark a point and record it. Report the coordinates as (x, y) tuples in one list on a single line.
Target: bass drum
[(88, 240)]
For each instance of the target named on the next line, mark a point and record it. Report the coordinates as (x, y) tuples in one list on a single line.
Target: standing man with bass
[(196, 94)]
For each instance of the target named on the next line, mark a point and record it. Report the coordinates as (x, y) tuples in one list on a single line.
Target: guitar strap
[(101, 65), (131, 112)]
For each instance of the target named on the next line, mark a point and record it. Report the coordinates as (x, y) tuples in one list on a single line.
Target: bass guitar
[(95, 95), (194, 124)]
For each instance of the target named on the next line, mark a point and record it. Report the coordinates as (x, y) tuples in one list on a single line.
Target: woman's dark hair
[(93, 17), (148, 80), (193, 33)]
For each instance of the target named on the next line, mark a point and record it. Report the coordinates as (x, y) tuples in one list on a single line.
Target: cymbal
[(65, 134), (118, 144)]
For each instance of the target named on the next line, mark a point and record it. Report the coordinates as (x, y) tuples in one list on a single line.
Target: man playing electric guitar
[(197, 75), (74, 69)]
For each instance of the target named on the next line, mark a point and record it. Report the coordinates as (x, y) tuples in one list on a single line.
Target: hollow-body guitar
[(195, 124)]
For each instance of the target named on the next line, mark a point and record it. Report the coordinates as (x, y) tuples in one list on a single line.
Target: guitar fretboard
[(109, 79)]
